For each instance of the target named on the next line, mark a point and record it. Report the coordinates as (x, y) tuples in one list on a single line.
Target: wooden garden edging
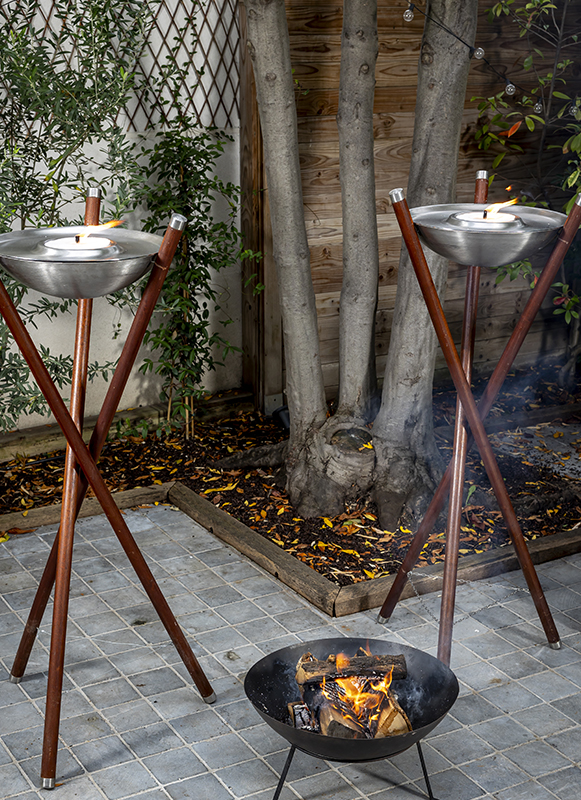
[(336, 601)]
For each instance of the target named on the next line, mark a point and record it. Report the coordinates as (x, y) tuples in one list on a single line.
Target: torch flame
[(495, 207), (99, 228)]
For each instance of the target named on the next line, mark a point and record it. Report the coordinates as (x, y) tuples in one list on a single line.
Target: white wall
[(58, 335)]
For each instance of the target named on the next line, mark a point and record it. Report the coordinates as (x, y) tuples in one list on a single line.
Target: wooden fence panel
[(315, 38)]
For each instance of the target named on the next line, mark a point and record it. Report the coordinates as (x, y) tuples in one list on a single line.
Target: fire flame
[(495, 207), (360, 697), (98, 228)]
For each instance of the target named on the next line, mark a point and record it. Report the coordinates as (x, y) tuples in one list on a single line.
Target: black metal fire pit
[(426, 695)]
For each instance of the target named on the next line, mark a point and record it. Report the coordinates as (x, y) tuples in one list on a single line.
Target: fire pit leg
[(284, 772), (425, 771)]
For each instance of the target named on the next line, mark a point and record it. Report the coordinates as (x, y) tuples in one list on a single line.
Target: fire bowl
[(460, 232), (426, 695), (50, 261)]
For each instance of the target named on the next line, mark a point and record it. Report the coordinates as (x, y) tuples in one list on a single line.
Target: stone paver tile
[(568, 743), (451, 784), (174, 765), (572, 672), (503, 732), (373, 777), (85, 673), (152, 739), (472, 708), (67, 767), (202, 725), (171, 705), (481, 675), (510, 697), (202, 786), (543, 720), (102, 753), (84, 728), (537, 758), (135, 714), (19, 716), (495, 773), (232, 750), (564, 784), (460, 746), (12, 780), (111, 693), (526, 791), (156, 681), (124, 780), (549, 686), (571, 706), (326, 784), (517, 665)]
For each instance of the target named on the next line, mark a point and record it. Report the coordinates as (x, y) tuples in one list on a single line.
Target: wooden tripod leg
[(89, 467), (493, 387), (458, 469), (110, 405), (36, 613), (459, 452), (65, 554), (454, 365)]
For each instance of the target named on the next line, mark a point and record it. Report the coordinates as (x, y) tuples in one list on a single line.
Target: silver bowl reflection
[(50, 261), (446, 230)]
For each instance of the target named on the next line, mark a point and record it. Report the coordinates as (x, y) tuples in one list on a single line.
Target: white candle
[(90, 243), (478, 216)]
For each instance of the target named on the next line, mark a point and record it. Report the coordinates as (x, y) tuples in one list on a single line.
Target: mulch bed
[(345, 549)]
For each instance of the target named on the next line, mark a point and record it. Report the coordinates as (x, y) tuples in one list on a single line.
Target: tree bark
[(268, 44), (408, 466), (357, 377)]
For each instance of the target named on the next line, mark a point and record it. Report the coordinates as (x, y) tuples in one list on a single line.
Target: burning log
[(364, 665), (351, 698)]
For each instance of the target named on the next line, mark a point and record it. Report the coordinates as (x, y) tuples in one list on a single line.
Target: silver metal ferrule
[(178, 221), (47, 783), (94, 191), (482, 175), (578, 200), (14, 679), (211, 698), (555, 645), (396, 195), (381, 620)]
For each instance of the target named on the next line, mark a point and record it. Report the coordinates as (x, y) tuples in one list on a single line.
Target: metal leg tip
[(211, 698), (48, 783), (555, 645), (15, 679), (382, 620)]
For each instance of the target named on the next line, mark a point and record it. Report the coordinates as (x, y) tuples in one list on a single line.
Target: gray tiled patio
[(133, 725)]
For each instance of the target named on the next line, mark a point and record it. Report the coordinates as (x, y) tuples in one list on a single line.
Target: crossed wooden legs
[(80, 471), (467, 410)]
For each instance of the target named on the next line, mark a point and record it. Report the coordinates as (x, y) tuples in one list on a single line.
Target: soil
[(348, 548)]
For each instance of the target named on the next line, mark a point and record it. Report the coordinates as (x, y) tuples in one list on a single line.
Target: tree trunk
[(357, 378), (408, 466), (330, 460), (268, 44)]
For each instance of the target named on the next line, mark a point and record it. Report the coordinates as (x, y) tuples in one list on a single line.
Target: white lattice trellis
[(209, 91)]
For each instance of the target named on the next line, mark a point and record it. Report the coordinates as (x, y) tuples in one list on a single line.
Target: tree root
[(267, 455)]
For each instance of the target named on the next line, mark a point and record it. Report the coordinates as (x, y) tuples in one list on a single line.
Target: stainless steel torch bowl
[(42, 259), (445, 230)]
